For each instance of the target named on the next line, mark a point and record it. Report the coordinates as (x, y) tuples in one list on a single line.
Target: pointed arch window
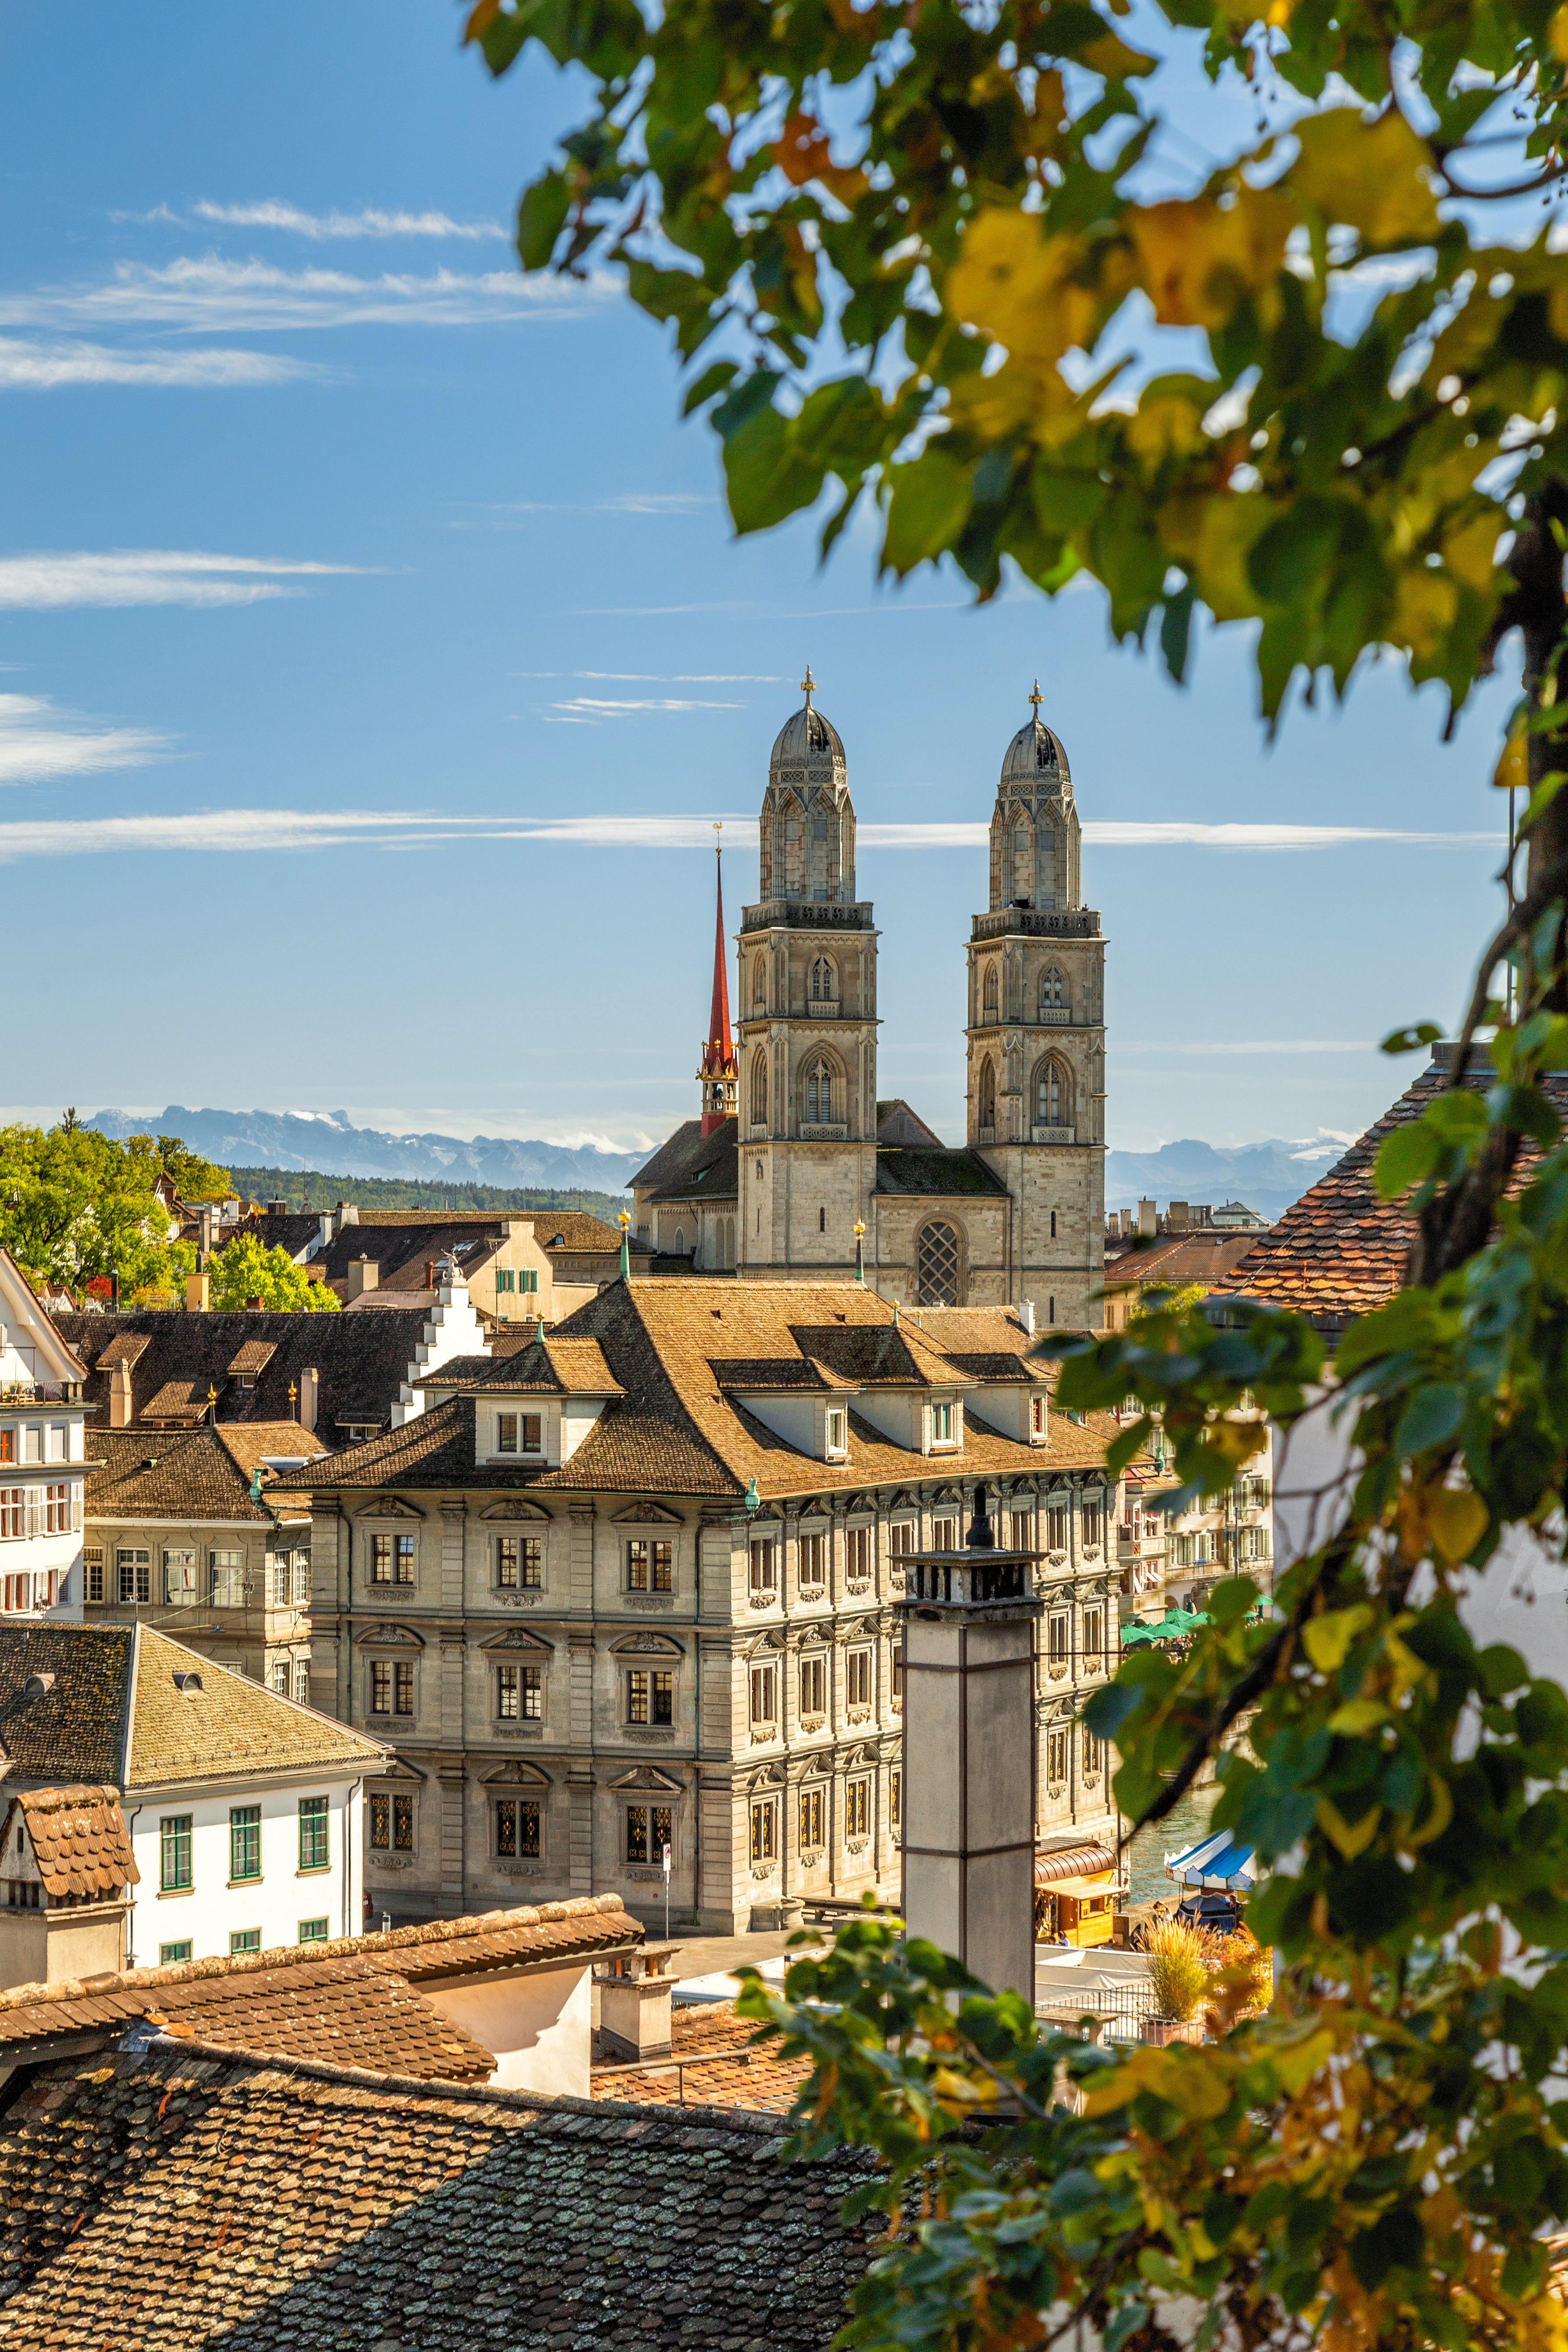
[(1052, 1105), (820, 1110), (822, 980), (760, 982), (987, 1094), (989, 1000), (760, 1089), (1053, 990)]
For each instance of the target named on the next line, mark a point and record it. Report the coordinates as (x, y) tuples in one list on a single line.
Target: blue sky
[(374, 651)]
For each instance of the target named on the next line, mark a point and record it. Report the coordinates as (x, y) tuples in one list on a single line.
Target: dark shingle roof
[(362, 1360), (294, 1231), (957, 1172), (694, 1166), (191, 1474), (1339, 1251), (74, 1730), (169, 2199)]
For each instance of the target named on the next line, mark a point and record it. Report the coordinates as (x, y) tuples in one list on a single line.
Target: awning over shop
[(1072, 1862), (1216, 1861), (1174, 1627)]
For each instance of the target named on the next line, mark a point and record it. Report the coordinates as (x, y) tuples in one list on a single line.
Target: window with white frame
[(942, 1425), (812, 1818), (765, 1831), (519, 1563), (813, 1557), (133, 1574), (764, 1694), (302, 1579), (764, 1567), (650, 1564), (857, 1677), (813, 1682), (180, 1580), (519, 1433), (1094, 1637), (650, 1694), (520, 1693), (56, 1510), (858, 1807), (13, 1505), (226, 1580), (859, 1554), (93, 1573), (1038, 1421), (838, 1430), (302, 1682), (943, 1534), (277, 1676), (278, 1567)]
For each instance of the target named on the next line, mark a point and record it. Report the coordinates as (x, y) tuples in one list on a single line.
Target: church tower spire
[(719, 1069)]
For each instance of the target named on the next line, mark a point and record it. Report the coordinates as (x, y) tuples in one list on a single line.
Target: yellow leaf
[(1408, 1669), (1512, 770), (1166, 427), (1236, 1441), (1370, 176), (1423, 609), (1557, 35), (1212, 537), (1438, 1820), (1198, 258), (1296, 2065), (1456, 1519), (1351, 1841), (1327, 1639), (1472, 552), (1359, 1715), (1016, 282)]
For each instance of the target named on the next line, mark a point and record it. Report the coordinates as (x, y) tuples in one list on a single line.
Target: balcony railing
[(809, 915), (1038, 922), (1053, 1135)]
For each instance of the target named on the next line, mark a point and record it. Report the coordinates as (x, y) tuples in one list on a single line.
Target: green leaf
[(1406, 1041), (541, 217), (765, 476), (1175, 627), (712, 380), (1431, 1418), (930, 505), (1403, 1158)]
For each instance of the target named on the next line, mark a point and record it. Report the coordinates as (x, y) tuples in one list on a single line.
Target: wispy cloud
[(209, 295), (624, 502), (1110, 834), (40, 743), (369, 222), (592, 707), (151, 576), (46, 367)]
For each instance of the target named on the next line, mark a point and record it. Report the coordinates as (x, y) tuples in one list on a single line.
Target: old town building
[(630, 1586), (796, 1168)]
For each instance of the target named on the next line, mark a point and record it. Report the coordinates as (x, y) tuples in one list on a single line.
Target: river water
[(1186, 1821)]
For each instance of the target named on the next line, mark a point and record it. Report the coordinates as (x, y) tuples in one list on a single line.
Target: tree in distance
[(904, 249), (246, 1269)]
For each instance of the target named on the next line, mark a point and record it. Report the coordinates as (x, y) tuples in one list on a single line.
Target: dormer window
[(1038, 1426), (942, 1427), (838, 1430), (519, 1433)]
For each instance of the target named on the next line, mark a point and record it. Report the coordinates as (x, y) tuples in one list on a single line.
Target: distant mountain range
[(281, 1138), (1266, 1176)]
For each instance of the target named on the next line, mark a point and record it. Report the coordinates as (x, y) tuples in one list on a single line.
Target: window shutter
[(35, 1510)]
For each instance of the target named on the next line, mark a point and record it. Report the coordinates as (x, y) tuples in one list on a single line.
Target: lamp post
[(625, 1223), (859, 1251)]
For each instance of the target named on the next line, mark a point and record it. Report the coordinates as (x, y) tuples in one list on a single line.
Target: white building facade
[(42, 1449)]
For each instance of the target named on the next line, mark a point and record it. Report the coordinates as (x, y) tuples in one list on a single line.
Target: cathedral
[(795, 1168)]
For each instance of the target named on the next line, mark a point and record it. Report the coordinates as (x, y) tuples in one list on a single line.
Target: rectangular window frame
[(813, 1818), (517, 1829), (171, 1955), (314, 1931), (244, 1845), (858, 1677), (92, 1575), (650, 1564), (518, 1563), (519, 1693), (132, 1569), (315, 1833), (811, 1554), (763, 1567), (175, 1858), (857, 1806), (765, 1687), (243, 1939), (765, 1831)]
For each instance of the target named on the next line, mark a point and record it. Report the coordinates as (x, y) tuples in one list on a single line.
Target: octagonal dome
[(805, 736), (1036, 760)]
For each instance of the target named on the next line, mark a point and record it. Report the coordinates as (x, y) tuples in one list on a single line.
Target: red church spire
[(719, 1070)]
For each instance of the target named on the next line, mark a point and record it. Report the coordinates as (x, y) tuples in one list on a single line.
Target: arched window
[(822, 981), (760, 1089), (988, 997), (987, 1094), (679, 1241), (760, 982), (1052, 1103), (819, 1095), (1020, 863), (936, 1266), (1053, 990)]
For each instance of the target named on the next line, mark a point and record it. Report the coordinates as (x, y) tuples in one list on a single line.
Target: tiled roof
[(676, 1431), (402, 1248), (252, 1356), (361, 1362), (950, 1171), (714, 2062), (574, 1229), (694, 1166), (79, 1839), (1176, 1260), (191, 1474), (294, 1231), (1339, 1251), (228, 1722), (169, 2199), (73, 1730), (898, 1124)]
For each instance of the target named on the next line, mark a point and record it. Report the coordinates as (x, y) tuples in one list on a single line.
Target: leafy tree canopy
[(246, 1269), (77, 1206), (907, 247)]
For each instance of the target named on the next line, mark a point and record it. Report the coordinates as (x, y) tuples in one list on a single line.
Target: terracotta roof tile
[(79, 1838)]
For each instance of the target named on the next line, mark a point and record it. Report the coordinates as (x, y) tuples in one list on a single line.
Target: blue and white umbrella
[(1217, 1862)]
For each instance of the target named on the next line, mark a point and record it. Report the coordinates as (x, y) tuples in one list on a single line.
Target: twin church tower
[(795, 1151)]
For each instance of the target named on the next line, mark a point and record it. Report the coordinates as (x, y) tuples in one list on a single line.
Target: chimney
[(277, 1208), (309, 1396), (429, 1274), (119, 1396), (364, 1274), (198, 1293), (256, 1306), (1026, 1316), (969, 1631), (348, 1213), (1178, 1217), (205, 1249), (1148, 1217), (328, 1226)]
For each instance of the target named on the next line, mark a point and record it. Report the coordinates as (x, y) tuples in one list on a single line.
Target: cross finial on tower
[(1037, 698), (808, 686)]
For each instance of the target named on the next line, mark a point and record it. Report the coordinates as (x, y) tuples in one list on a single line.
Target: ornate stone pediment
[(646, 1515), (387, 1506), (390, 1637), (517, 1637), (515, 1774), (767, 1776), (514, 1507), (775, 1638), (649, 1776), (648, 1644), (398, 1770)]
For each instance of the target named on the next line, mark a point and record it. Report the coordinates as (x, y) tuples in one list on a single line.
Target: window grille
[(1093, 1753), (821, 980), (1048, 1103), (649, 1832), (819, 1095), (135, 1573), (302, 1579), (313, 1931), (93, 1573), (857, 1808), (280, 1677), (895, 1799), (763, 1831), (1038, 1425), (650, 1696), (170, 1955), (226, 1580), (174, 1852), (391, 1822), (279, 1566), (56, 1510), (1052, 992), (936, 1266), (391, 1559), (180, 1580), (517, 1821), (811, 1816), (301, 1682), (245, 1940), (1056, 1756)]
